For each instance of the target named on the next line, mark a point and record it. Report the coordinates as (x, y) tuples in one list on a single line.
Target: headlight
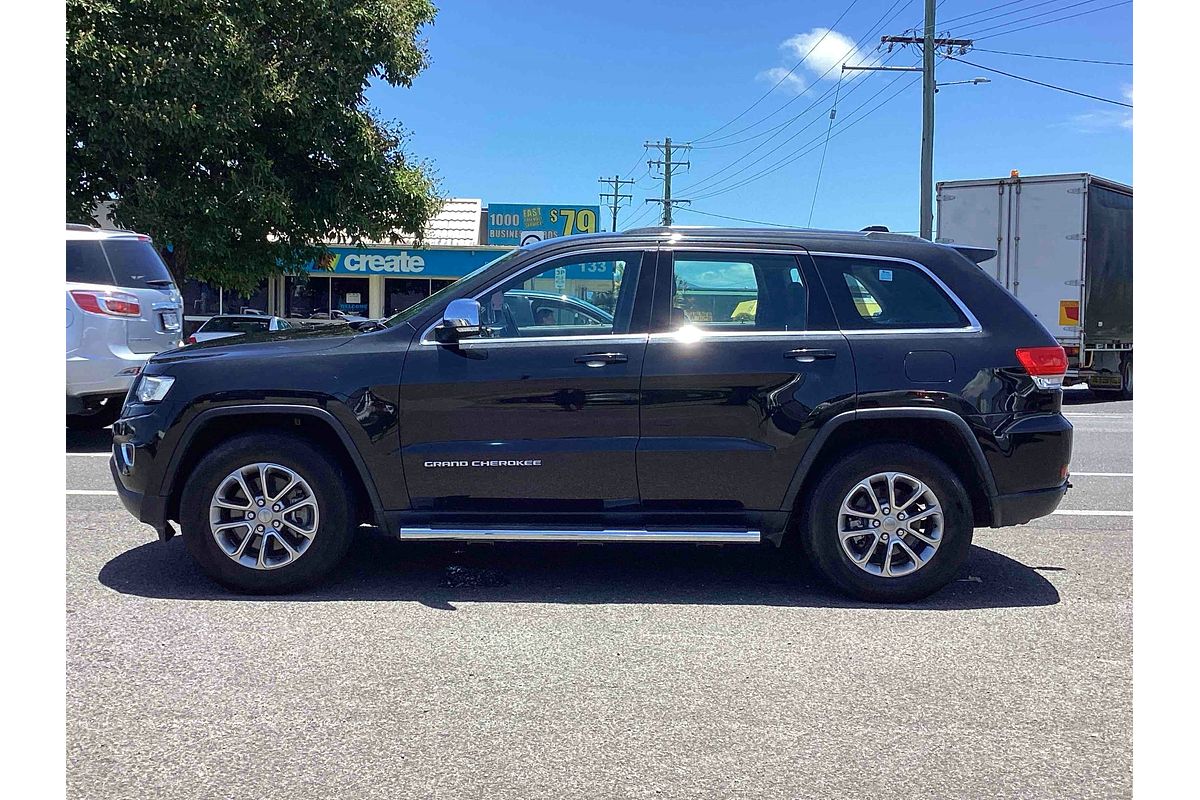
[(153, 388)]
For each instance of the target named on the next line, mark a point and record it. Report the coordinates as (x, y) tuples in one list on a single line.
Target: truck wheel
[(1127, 378), (888, 523), (266, 514)]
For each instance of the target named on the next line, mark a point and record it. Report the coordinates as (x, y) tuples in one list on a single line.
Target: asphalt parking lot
[(431, 670)]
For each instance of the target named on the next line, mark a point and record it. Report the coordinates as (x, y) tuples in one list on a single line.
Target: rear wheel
[(266, 514), (1127, 378), (888, 523)]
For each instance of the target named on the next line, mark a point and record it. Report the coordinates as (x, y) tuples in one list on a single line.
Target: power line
[(979, 38), (877, 26), (711, 180), (1014, 11), (990, 8), (784, 78), (824, 151), (738, 219), (1054, 58), (1041, 83), (794, 156)]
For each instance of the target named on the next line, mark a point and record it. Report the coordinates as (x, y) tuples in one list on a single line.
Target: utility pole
[(929, 44), (616, 183), (668, 166)]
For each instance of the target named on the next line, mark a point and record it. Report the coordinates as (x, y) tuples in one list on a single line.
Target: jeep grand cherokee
[(878, 399)]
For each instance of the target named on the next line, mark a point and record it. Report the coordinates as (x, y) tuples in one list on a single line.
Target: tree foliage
[(237, 132)]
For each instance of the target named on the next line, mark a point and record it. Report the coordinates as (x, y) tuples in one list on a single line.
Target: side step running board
[(515, 535)]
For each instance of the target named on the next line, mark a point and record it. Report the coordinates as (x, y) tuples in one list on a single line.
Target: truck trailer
[(1064, 248)]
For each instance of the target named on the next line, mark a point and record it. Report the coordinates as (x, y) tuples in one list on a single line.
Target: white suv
[(122, 308)]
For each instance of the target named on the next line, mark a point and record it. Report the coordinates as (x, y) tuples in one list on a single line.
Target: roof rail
[(75, 226)]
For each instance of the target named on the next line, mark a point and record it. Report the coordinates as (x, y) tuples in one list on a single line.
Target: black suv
[(872, 397)]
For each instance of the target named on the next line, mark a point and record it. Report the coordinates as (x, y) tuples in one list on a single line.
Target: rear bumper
[(148, 508), (1019, 508)]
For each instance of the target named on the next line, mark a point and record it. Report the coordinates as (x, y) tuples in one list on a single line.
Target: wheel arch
[(216, 425), (939, 432)]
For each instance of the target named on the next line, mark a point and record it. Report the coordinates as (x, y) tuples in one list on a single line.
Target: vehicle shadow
[(89, 441), (1086, 397), (439, 574)]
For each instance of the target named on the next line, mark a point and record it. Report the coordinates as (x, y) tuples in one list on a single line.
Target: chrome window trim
[(534, 341), (972, 325), (608, 337)]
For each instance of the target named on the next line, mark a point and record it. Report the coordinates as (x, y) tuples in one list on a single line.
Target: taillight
[(113, 304), (1046, 365)]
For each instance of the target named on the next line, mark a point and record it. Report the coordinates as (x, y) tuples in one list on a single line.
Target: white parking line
[(1091, 513), (1101, 474), (89, 455), (104, 492)]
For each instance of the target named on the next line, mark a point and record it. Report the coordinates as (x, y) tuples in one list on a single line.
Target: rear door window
[(871, 294), (737, 291), (86, 263)]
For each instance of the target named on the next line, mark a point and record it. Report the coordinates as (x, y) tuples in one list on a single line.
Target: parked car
[(225, 325), (531, 309), (876, 436), (122, 308)]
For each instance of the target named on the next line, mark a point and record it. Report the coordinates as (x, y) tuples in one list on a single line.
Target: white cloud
[(826, 50), (792, 82), (1104, 119)]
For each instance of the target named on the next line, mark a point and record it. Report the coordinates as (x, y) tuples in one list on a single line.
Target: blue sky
[(532, 102)]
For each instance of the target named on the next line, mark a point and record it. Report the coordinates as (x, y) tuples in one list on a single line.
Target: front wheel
[(266, 514), (888, 523)]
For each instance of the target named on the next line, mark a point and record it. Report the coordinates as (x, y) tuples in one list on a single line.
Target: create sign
[(404, 262)]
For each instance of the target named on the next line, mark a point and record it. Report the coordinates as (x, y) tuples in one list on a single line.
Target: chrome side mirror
[(460, 320)]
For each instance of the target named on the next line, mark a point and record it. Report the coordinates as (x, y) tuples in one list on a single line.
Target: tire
[(106, 415), (322, 478), (1127, 378), (821, 517)]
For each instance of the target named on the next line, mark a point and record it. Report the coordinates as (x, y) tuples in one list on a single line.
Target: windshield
[(439, 296)]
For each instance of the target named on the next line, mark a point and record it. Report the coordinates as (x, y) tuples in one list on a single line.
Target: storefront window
[(256, 302), (349, 295), (200, 299), (305, 297), (402, 293)]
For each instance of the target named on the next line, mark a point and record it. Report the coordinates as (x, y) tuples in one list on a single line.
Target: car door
[(527, 418), (744, 362)]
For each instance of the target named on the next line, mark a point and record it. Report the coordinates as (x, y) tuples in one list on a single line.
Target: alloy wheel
[(264, 516), (890, 524)]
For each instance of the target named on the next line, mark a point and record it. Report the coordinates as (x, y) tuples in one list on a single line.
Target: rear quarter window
[(870, 294), (86, 263)]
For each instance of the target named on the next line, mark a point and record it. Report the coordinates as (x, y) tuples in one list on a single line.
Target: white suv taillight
[(112, 304), (1046, 365)]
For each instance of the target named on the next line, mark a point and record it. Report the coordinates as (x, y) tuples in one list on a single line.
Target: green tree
[(237, 132)]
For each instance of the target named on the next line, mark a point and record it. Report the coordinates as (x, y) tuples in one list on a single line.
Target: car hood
[(300, 340)]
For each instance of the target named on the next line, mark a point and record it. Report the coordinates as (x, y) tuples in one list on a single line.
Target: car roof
[(76, 231), (814, 239), (241, 316)]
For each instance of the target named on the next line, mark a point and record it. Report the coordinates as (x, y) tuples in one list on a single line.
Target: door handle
[(600, 359), (807, 355)]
